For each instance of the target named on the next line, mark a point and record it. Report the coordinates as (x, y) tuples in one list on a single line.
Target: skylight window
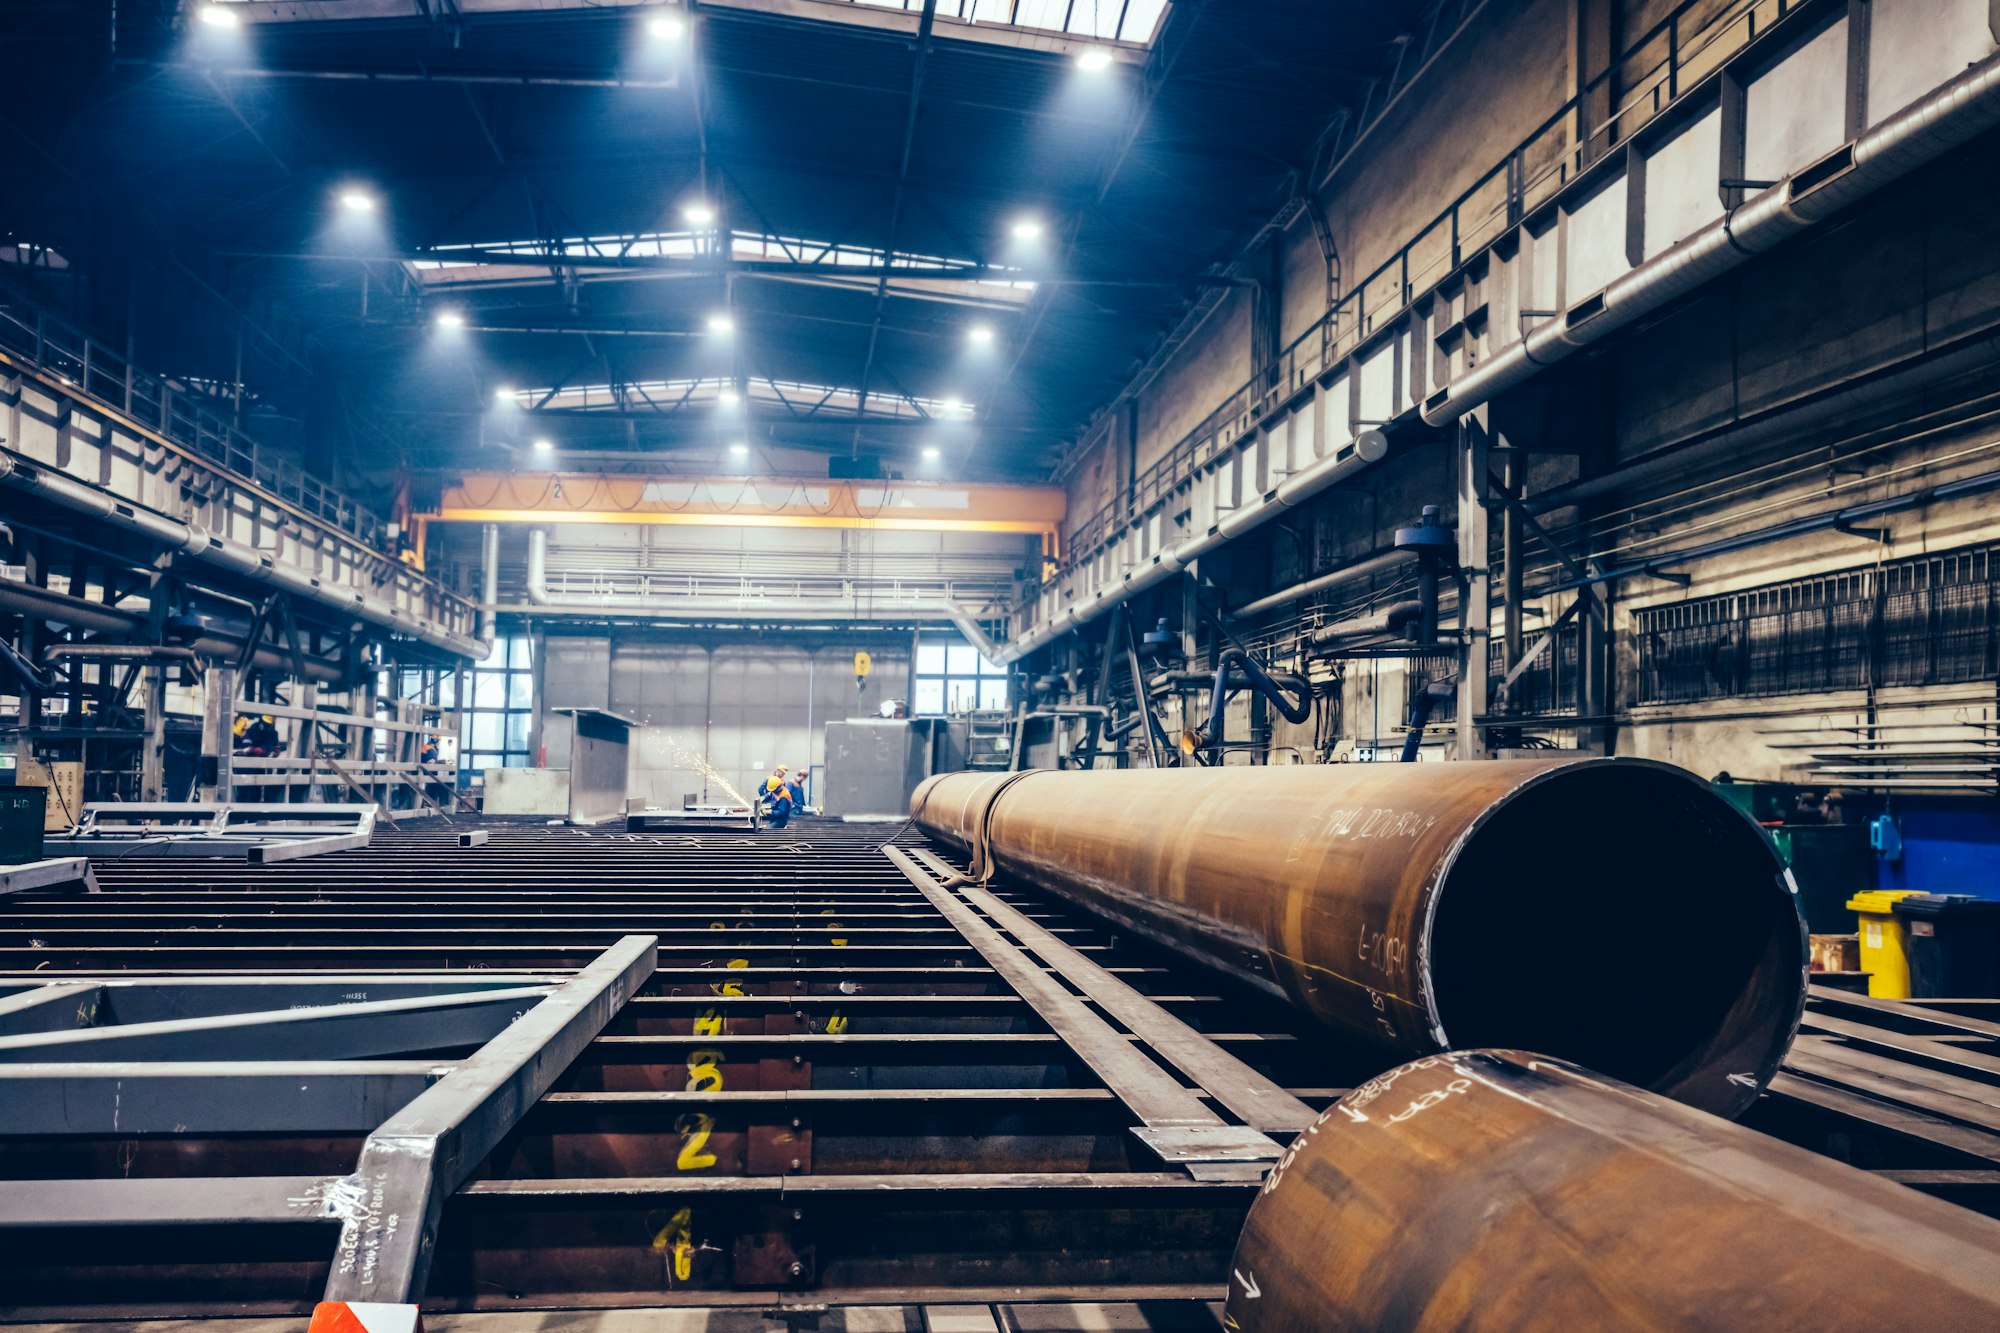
[(1111, 20), (805, 401), (512, 262), (25, 252)]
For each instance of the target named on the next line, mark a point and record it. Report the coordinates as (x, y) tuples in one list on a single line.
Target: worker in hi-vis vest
[(778, 798)]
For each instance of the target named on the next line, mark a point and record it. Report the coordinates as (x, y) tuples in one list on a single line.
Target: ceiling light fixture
[(357, 201), (1093, 59), (981, 335), (216, 16), (699, 215), (1027, 229), (953, 406), (720, 322), (504, 395), (931, 453), (668, 28), (450, 319), (739, 451), (728, 397), (544, 446)]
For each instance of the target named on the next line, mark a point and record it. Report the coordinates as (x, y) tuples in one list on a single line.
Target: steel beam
[(1258, 1101), (227, 1097), (380, 1027), (390, 1207), (67, 872), (56, 1007), (161, 1202), (1174, 1122)]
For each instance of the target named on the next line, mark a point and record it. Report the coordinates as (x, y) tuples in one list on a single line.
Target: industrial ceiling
[(739, 232)]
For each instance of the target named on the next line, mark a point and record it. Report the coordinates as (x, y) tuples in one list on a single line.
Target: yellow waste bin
[(1885, 954)]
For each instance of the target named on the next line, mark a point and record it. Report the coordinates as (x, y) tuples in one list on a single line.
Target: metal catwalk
[(846, 1082)]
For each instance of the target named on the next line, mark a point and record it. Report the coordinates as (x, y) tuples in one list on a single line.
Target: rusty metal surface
[(1495, 1190), (1425, 906)]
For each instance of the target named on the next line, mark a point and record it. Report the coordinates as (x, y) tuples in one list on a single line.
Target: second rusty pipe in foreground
[(1615, 912), (1499, 1191)]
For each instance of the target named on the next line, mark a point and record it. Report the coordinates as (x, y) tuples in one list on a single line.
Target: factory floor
[(827, 1108), (1081, 1317)]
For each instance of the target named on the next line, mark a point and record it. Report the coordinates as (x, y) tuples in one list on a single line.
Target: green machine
[(22, 812), (1830, 862)]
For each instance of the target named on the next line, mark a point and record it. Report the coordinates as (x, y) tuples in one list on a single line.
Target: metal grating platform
[(847, 1084)]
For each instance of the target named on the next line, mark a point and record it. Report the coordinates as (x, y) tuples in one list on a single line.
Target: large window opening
[(500, 708), (951, 677)]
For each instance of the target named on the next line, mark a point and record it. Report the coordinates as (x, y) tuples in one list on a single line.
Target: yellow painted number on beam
[(678, 1236), (694, 1129), (704, 1071), (732, 987)]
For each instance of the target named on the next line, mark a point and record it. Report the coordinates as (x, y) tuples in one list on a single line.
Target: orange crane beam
[(578, 497)]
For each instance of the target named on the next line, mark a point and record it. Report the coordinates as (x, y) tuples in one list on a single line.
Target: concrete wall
[(740, 706), (1505, 76), (1907, 277)]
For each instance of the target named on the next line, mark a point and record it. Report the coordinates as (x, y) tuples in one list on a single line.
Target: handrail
[(1473, 221), (178, 413)]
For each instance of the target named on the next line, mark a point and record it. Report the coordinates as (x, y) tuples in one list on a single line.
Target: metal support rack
[(260, 834), (851, 1079)]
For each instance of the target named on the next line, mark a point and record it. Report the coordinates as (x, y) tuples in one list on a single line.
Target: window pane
[(448, 690), (489, 689), (992, 694), (930, 697), (486, 731), (930, 659), (517, 652), (964, 660), (1141, 17), (962, 694), (520, 689), (987, 668), (517, 731)]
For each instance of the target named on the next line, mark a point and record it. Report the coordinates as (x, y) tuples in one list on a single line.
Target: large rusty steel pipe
[(1497, 1190), (1615, 912)]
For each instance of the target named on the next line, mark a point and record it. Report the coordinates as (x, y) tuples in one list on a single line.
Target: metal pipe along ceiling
[(1498, 1190), (543, 602), (1371, 447), (489, 584), (1423, 906), (220, 642), (1949, 118)]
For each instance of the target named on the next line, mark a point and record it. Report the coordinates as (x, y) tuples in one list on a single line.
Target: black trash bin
[(1953, 941)]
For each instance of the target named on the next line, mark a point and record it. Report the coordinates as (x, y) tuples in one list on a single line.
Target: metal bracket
[(1881, 535), (1187, 1144)]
